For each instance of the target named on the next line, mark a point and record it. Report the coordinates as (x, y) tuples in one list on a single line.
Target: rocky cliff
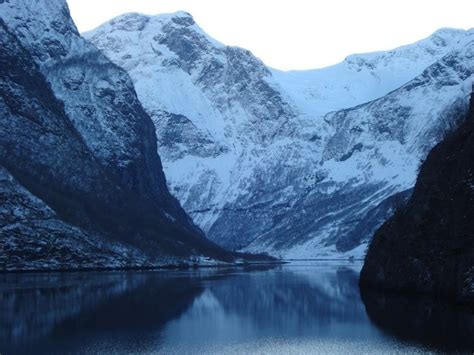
[(81, 181), (428, 245)]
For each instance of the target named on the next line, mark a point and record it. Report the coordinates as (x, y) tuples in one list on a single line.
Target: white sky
[(298, 34)]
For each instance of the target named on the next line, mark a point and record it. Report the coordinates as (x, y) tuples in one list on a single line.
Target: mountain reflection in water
[(303, 307)]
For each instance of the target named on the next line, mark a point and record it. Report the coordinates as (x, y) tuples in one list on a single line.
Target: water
[(300, 308)]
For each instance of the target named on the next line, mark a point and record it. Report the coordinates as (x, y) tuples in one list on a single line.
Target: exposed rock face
[(428, 245), (81, 187), (297, 164), (98, 97)]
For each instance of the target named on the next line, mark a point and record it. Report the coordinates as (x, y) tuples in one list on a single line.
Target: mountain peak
[(49, 30), (182, 16), (450, 32), (134, 21), (445, 37), (130, 22)]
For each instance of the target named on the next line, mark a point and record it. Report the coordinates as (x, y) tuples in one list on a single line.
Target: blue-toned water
[(302, 307)]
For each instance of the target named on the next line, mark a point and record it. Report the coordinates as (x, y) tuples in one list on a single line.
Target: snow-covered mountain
[(81, 183), (213, 106), (365, 77), (298, 164)]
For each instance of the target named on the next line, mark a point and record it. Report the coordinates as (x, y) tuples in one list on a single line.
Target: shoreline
[(143, 268)]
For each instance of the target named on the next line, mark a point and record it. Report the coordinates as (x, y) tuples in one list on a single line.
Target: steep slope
[(98, 96), (261, 167), (82, 184), (39, 146), (428, 245), (213, 106)]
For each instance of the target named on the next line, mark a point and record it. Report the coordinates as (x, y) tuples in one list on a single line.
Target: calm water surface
[(301, 308)]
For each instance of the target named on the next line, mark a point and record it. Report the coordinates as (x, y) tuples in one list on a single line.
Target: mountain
[(283, 162), (361, 78), (82, 183), (428, 245)]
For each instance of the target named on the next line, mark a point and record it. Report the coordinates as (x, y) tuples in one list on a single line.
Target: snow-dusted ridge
[(364, 77), (299, 164)]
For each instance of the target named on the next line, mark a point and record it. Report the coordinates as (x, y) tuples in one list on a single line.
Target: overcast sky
[(298, 34)]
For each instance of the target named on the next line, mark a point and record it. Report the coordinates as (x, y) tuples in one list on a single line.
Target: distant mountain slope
[(82, 184), (262, 167), (365, 77), (428, 245)]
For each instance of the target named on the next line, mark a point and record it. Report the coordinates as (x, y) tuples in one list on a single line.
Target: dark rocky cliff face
[(71, 200), (428, 245)]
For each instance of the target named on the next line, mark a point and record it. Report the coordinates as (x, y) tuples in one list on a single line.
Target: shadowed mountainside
[(428, 245)]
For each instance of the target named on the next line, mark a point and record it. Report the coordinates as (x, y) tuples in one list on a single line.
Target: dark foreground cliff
[(428, 245), (81, 183)]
